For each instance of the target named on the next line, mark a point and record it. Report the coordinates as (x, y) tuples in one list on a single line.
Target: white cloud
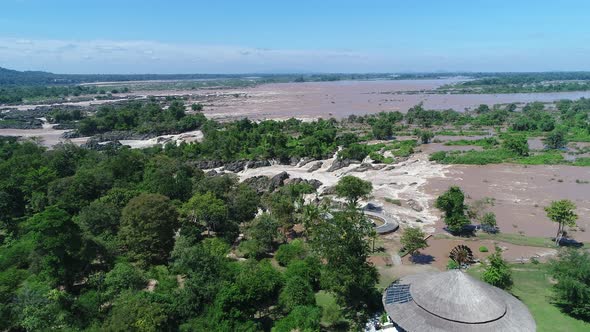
[(144, 56), (104, 56)]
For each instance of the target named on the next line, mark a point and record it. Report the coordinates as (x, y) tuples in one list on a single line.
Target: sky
[(293, 36)]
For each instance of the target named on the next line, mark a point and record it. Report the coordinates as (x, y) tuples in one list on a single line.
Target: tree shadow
[(567, 242), (421, 259), (467, 231)]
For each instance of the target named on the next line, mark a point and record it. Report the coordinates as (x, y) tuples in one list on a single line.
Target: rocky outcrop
[(213, 173), (257, 163), (368, 167), (329, 191), (70, 134), (315, 167), (93, 144), (415, 205), (240, 165), (305, 161), (341, 163), (236, 166), (315, 184), (122, 135), (208, 164), (278, 180), (260, 184)]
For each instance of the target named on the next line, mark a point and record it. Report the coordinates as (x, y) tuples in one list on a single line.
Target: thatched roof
[(454, 301)]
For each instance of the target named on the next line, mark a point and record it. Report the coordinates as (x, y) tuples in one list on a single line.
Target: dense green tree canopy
[(353, 189), (148, 223), (572, 291), (452, 204)]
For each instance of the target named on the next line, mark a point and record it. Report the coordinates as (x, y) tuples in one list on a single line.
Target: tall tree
[(206, 209), (342, 242), (57, 245), (413, 239), (452, 204), (264, 230), (563, 213), (353, 189), (147, 229)]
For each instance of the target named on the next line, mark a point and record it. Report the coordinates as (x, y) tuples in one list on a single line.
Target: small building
[(453, 301)]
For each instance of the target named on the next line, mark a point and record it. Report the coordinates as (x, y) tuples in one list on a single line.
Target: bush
[(497, 272), (290, 252), (438, 156), (452, 265), (555, 140), (483, 249), (517, 144)]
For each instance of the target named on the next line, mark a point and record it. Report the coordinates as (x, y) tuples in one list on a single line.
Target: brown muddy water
[(331, 99), (520, 194), (341, 99)]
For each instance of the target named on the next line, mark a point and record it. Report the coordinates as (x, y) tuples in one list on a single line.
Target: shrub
[(438, 156), (497, 272), (483, 249), (517, 144), (452, 265), (289, 252)]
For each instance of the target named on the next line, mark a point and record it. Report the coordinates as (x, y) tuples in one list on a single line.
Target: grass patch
[(582, 162), (461, 133), (532, 287), (543, 158), (518, 239), (486, 143), (490, 156), (499, 155), (578, 135)]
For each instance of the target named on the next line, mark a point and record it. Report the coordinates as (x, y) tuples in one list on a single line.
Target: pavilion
[(453, 301)]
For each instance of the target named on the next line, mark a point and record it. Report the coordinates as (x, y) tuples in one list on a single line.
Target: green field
[(532, 286)]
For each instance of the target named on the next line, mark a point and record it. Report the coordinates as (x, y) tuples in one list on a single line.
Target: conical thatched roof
[(454, 301)]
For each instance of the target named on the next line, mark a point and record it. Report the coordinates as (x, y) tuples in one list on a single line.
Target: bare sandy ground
[(520, 193)]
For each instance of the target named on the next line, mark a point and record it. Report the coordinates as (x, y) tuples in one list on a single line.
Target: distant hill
[(15, 77)]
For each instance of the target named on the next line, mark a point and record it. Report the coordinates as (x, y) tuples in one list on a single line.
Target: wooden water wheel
[(462, 254)]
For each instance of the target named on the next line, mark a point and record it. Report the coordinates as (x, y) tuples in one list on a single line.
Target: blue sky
[(153, 36)]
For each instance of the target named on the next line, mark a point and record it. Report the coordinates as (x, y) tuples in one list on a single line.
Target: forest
[(141, 240)]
